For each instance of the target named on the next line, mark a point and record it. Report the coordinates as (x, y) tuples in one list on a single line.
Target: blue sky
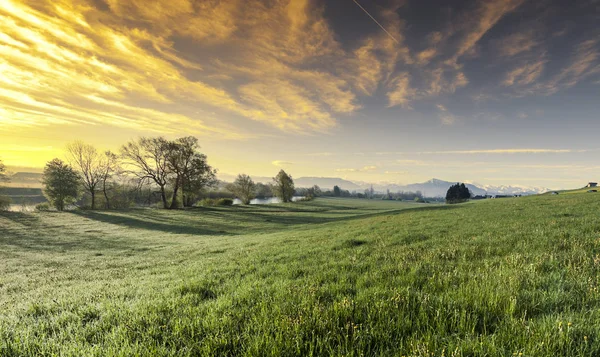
[(495, 92)]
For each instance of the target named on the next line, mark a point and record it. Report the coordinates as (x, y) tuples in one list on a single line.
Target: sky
[(487, 91)]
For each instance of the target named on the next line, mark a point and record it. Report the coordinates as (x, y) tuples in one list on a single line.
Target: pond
[(266, 201)]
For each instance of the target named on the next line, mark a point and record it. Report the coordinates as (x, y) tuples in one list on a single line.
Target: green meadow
[(339, 277)]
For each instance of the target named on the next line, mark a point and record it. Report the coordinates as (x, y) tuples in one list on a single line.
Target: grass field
[(336, 277)]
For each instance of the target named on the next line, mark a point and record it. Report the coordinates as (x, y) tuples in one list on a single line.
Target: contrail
[(377, 22)]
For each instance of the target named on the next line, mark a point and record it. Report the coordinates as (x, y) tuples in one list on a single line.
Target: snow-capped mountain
[(512, 190)]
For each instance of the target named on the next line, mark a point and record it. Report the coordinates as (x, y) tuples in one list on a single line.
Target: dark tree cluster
[(458, 193)]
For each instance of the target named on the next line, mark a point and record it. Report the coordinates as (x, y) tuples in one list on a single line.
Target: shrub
[(44, 206), (5, 203), (206, 202), (224, 202)]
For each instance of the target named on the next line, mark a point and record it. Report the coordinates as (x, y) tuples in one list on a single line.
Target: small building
[(592, 184)]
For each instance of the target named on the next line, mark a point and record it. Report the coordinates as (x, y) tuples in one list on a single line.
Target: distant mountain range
[(431, 188), (25, 179)]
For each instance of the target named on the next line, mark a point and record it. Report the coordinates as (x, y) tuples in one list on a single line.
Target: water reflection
[(265, 201)]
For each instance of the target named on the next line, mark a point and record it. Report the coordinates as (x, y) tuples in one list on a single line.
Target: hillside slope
[(329, 277)]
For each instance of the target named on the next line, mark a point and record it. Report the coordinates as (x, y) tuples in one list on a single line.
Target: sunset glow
[(499, 91)]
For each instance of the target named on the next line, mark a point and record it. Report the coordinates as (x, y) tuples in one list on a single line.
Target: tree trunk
[(174, 200), (184, 200), (93, 192), (188, 200), (105, 195), (163, 196)]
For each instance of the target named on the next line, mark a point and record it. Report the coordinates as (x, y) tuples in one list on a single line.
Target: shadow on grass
[(152, 223), (29, 233), (328, 216), (232, 220), (21, 218)]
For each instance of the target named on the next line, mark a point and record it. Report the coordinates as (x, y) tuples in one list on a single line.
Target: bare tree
[(110, 166), (149, 159), (88, 162)]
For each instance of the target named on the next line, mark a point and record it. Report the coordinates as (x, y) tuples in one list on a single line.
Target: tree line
[(176, 170)]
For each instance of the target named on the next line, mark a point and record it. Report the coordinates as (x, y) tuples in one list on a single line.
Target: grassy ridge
[(329, 277)]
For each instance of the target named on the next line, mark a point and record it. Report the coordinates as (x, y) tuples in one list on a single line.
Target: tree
[(179, 157), (283, 186), (192, 171), (4, 200), (313, 191), (3, 175), (263, 191), (337, 192), (178, 163), (89, 163), (244, 188), (110, 166), (149, 158), (61, 184), (457, 193)]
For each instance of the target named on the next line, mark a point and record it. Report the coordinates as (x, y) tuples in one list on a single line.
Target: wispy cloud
[(525, 74), (411, 162), (487, 15), (326, 153), (53, 63), (395, 172), (363, 169), (281, 163), (518, 42), (583, 63), (57, 52), (448, 119), (401, 93), (445, 116), (505, 151)]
